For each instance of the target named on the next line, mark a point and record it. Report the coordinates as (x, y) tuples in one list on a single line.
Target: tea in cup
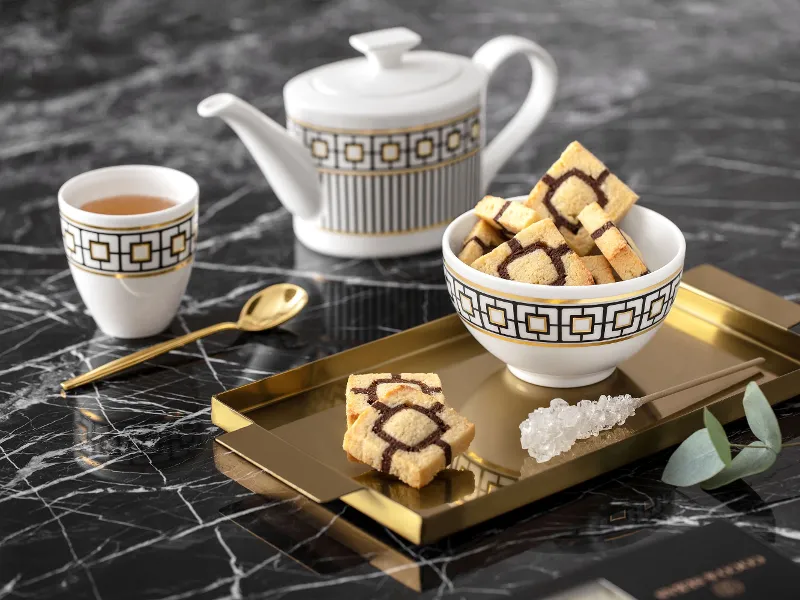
[(130, 234)]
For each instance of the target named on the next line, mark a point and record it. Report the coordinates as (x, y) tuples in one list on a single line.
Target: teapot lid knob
[(384, 49)]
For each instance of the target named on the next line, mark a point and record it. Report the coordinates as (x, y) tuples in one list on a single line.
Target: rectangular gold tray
[(292, 424)]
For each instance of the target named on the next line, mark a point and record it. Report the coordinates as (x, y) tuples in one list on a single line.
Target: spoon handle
[(120, 364)]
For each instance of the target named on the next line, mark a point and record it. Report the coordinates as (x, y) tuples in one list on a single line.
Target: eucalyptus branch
[(705, 456)]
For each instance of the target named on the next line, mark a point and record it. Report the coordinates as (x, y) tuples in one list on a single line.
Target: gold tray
[(292, 424)]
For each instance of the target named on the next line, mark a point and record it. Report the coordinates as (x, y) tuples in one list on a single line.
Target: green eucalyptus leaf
[(761, 417), (749, 461), (717, 434), (694, 461)]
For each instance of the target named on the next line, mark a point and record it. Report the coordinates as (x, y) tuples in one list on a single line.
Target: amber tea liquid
[(128, 204)]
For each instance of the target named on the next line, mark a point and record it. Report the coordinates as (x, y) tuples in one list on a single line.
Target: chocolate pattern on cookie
[(393, 444), (553, 185), (483, 245), (602, 229), (556, 256), (372, 390), (605, 227), (499, 214)]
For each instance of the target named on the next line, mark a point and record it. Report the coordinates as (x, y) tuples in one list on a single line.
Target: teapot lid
[(388, 84)]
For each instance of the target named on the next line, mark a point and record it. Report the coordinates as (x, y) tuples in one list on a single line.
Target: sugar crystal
[(549, 431)]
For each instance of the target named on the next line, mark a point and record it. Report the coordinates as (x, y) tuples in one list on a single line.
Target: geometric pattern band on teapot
[(395, 181)]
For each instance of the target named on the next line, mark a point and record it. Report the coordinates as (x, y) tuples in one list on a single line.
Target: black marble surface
[(113, 493)]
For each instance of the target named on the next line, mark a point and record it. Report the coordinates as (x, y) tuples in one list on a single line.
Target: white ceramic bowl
[(568, 336)]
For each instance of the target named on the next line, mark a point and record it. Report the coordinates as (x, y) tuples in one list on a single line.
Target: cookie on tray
[(481, 239), (408, 434), (576, 180), (625, 260), (537, 254), (364, 390), (505, 215), (600, 268)]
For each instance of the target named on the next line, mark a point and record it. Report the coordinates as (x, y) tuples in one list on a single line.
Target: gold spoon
[(268, 308)]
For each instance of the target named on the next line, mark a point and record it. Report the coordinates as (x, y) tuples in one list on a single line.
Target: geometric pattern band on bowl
[(590, 322), (129, 253)]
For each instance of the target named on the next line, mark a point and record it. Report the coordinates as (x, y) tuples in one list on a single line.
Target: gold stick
[(701, 380)]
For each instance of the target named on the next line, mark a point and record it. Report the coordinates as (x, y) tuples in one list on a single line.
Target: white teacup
[(131, 270)]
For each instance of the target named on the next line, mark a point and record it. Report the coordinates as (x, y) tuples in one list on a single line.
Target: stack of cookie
[(564, 233), (399, 423)]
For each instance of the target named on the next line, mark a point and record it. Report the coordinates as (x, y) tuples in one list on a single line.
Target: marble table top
[(113, 492)]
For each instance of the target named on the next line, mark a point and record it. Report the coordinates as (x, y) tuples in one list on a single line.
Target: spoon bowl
[(272, 306)]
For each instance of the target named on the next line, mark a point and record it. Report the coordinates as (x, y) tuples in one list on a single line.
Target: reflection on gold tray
[(292, 424)]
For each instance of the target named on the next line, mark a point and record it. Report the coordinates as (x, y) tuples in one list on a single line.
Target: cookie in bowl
[(626, 260), (578, 178), (508, 217), (481, 239), (600, 268), (537, 254)]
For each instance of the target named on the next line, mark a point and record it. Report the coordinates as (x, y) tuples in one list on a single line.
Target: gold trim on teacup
[(92, 244), (141, 259), (174, 267), (503, 295), (137, 228), (71, 247), (423, 127), (621, 338), (400, 171), (180, 236)]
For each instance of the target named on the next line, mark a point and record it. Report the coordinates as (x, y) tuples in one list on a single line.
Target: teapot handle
[(540, 96)]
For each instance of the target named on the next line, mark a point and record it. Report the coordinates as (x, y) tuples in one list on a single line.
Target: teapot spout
[(285, 162)]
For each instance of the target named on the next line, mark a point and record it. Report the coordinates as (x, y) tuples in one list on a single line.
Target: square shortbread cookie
[(612, 243), (600, 268), (576, 180), (481, 239), (408, 434), (363, 390), (537, 254), (505, 215)]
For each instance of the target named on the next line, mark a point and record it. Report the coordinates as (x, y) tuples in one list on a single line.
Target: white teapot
[(381, 152)]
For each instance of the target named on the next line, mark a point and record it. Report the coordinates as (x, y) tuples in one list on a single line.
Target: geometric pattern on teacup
[(148, 251), (396, 150), (595, 322)]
